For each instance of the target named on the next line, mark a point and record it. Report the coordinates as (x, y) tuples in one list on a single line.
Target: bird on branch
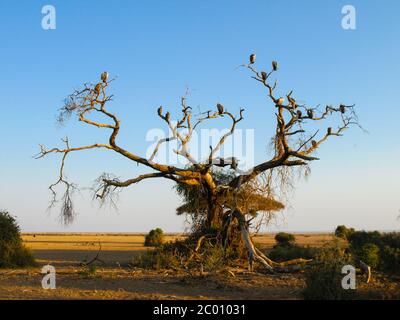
[(299, 114), (160, 110), (220, 108), (263, 75), (97, 88), (234, 163), (280, 101), (252, 58), (275, 65), (104, 76)]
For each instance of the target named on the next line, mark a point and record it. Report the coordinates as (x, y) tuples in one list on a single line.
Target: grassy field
[(115, 279), (70, 249)]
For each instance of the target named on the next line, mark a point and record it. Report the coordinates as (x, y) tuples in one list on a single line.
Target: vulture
[(97, 88), (234, 163), (264, 75), (252, 58), (314, 143), (342, 108), (274, 65), (299, 114), (104, 76), (159, 111), (292, 102), (220, 108), (329, 131), (310, 113), (280, 101)]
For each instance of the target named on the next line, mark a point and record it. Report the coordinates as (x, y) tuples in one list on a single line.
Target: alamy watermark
[(49, 20), (237, 150), (349, 18), (49, 280), (349, 280)]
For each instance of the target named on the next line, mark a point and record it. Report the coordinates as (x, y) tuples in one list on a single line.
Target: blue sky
[(158, 49)]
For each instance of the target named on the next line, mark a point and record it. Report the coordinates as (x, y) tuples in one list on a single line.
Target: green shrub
[(12, 252), (391, 239), (285, 252), (324, 277), (154, 238), (157, 259), (343, 232), (285, 239), (9, 229), (180, 254), (358, 239), (365, 245), (369, 253), (390, 259)]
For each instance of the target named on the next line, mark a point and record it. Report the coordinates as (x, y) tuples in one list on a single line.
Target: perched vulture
[(299, 114), (329, 131), (264, 75), (280, 101), (159, 111), (274, 65), (342, 108), (314, 143), (220, 108), (292, 102), (252, 58), (310, 113), (104, 76), (234, 163), (97, 88)]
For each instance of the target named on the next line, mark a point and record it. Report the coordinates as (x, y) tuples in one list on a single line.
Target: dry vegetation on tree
[(222, 201)]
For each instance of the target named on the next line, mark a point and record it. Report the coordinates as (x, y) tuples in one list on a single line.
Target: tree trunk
[(214, 212), (255, 254), (252, 253)]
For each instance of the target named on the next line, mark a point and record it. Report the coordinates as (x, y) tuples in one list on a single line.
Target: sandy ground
[(115, 280)]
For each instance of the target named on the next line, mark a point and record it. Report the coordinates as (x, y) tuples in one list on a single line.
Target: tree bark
[(255, 254), (214, 212)]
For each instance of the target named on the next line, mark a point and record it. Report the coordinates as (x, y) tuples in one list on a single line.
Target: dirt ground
[(115, 279)]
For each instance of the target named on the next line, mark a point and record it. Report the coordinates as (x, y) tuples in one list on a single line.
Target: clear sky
[(158, 49)]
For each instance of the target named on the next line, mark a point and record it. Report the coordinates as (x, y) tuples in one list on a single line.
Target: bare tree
[(294, 146)]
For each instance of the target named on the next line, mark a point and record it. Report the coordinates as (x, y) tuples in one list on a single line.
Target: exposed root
[(256, 254)]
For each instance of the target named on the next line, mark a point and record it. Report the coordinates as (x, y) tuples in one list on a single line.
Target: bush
[(324, 277), (179, 254), (285, 239), (358, 239), (369, 254), (156, 259), (9, 229), (391, 239), (283, 253), (12, 252), (343, 232), (376, 249), (390, 259), (154, 238)]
